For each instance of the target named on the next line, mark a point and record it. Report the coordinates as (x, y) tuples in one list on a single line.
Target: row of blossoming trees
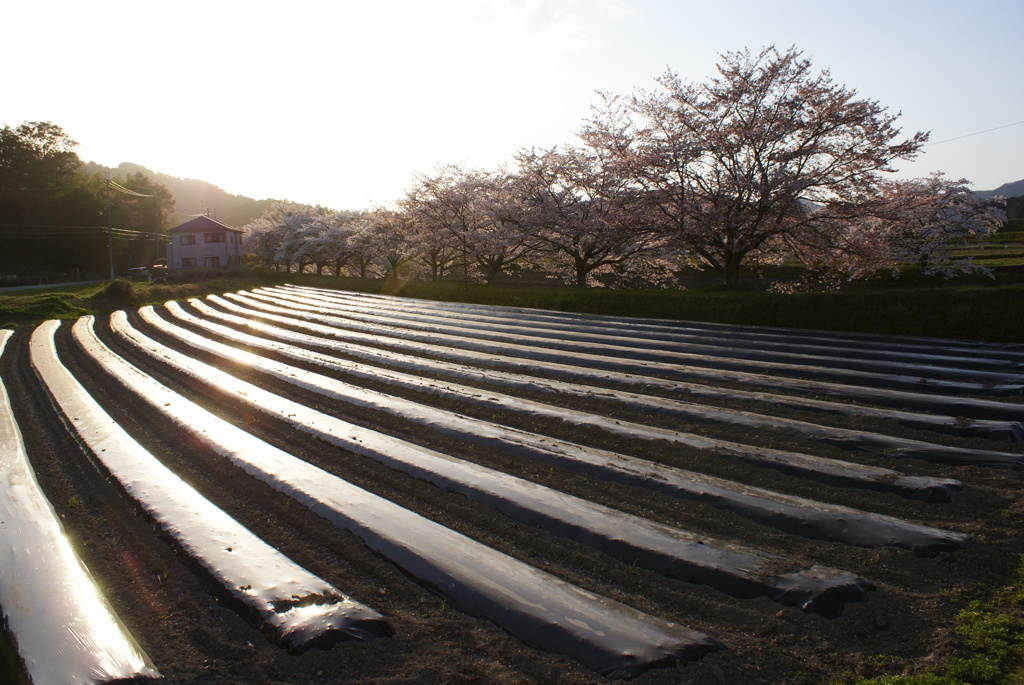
[(768, 163)]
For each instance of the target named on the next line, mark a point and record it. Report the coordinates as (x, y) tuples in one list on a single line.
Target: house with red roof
[(203, 243)]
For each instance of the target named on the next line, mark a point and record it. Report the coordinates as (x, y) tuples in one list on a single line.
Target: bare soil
[(193, 636)]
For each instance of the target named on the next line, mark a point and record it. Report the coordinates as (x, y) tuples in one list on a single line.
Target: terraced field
[(309, 486)]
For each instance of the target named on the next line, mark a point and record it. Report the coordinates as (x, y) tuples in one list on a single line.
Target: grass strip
[(970, 309)]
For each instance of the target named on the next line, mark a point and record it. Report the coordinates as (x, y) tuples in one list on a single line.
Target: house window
[(213, 237), (188, 262), (212, 261), (188, 240)]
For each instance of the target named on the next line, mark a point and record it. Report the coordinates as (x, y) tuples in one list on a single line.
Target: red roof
[(201, 224)]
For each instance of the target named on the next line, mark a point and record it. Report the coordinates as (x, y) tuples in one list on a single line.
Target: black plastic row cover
[(831, 471), (294, 607), (986, 383), (967, 407), (546, 612), (63, 628), (820, 589), (741, 572), (866, 345), (692, 349), (457, 363), (800, 516)]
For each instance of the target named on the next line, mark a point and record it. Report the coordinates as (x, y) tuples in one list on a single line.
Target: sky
[(341, 103)]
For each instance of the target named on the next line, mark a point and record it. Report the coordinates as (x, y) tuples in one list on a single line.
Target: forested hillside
[(60, 223), (194, 197)]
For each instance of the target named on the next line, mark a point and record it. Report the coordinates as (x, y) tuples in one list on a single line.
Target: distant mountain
[(1007, 190), (193, 197)]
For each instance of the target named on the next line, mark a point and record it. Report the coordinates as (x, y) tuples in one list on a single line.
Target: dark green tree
[(140, 210), (1015, 207), (38, 164), (47, 206), (53, 217), (146, 206)]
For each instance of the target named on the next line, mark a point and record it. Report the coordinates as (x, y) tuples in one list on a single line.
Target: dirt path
[(194, 636)]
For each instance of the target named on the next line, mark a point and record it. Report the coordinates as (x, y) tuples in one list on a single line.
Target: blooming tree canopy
[(582, 210), (769, 162), (506, 238), (746, 164), (924, 222), (300, 234)]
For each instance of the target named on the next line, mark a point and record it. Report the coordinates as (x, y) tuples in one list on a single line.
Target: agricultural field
[(296, 485), (1002, 249)]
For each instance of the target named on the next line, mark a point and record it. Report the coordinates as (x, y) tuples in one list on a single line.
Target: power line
[(113, 184), (64, 236), (70, 236), (35, 231), (51, 235), (150, 234), (121, 189), (45, 226), (976, 133)]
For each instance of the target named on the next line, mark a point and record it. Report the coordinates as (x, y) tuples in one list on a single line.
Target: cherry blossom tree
[(361, 247), (262, 240), (505, 239), (922, 222), (387, 242), (299, 234), (925, 221), (446, 210), (274, 238), (297, 225), (435, 249), (582, 211), (745, 165), (327, 243)]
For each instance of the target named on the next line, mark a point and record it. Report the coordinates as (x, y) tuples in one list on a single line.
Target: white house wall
[(225, 253)]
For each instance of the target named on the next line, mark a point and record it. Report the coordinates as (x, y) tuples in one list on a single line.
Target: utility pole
[(110, 231)]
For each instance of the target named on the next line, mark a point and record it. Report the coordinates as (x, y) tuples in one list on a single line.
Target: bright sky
[(342, 102)]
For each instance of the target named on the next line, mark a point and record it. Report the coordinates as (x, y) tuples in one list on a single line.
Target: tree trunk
[(581, 275), (733, 261)]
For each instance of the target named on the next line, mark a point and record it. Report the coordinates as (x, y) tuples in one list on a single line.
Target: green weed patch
[(992, 633), (29, 309)]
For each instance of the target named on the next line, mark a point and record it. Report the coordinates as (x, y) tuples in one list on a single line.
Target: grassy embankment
[(969, 308), (32, 306)]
